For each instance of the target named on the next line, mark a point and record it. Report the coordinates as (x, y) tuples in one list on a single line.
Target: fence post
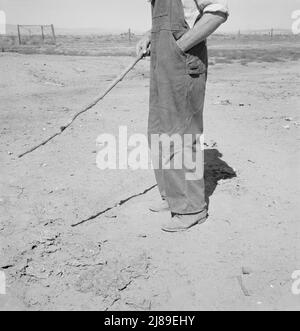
[(53, 33), (19, 35), (43, 35), (129, 35)]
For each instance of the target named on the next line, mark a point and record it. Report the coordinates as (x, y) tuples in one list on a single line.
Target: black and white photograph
[(150, 161)]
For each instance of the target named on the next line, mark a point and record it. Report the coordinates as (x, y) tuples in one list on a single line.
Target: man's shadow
[(215, 170)]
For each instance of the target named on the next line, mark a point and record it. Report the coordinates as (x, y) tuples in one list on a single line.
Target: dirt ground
[(241, 259)]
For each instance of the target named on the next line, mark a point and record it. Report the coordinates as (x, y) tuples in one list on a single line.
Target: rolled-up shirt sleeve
[(216, 6)]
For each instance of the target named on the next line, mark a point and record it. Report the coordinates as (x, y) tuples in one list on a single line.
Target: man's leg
[(154, 128), (185, 187)]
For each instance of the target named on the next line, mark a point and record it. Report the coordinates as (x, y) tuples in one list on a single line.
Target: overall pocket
[(159, 22), (194, 64), (160, 8), (159, 15), (177, 48)]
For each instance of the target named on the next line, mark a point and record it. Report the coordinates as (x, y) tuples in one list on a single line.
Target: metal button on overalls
[(177, 92)]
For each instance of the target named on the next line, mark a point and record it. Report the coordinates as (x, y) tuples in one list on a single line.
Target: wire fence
[(36, 34)]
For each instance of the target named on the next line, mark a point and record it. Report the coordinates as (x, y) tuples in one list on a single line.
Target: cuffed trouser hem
[(203, 212)]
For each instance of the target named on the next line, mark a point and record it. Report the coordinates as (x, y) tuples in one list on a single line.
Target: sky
[(119, 15)]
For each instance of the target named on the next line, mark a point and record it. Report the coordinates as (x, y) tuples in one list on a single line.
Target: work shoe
[(160, 206), (180, 223)]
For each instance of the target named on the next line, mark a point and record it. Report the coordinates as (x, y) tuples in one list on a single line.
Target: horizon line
[(133, 30)]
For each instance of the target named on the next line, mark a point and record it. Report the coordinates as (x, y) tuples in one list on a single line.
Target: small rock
[(142, 236), (247, 271), (111, 216), (79, 70), (223, 102)]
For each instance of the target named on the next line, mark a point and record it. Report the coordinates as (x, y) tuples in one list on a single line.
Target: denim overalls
[(177, 92)]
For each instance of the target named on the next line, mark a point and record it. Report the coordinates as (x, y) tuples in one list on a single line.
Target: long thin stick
[(88, 107), (243, 287), (122, 202)]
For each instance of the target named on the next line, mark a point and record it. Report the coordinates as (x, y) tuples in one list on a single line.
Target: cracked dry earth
[(118, 259)]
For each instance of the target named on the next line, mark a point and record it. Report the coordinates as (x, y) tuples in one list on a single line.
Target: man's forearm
[(206, 26)]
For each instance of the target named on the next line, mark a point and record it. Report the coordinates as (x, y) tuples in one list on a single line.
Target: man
[(177, 90)]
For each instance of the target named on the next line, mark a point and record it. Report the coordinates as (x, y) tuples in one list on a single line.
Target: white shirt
[(208, 6), (191, 11)]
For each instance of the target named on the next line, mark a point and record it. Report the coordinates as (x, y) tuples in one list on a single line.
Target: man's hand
[(143, 46)]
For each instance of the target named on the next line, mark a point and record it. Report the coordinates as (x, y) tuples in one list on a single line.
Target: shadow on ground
[(215, 170)]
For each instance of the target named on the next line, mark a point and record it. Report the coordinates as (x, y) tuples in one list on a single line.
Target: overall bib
[(177, 92)]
